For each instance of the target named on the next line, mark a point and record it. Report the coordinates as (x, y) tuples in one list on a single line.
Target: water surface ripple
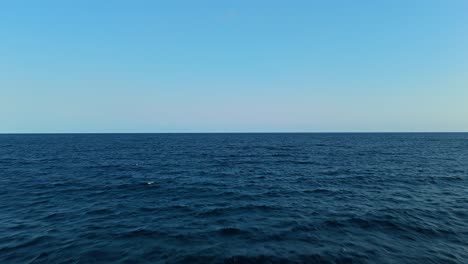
[(234, 198)]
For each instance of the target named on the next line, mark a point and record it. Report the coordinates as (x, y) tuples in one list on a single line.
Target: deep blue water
[(234, 198)]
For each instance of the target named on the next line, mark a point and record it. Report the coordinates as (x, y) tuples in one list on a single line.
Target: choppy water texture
[(234, 198)]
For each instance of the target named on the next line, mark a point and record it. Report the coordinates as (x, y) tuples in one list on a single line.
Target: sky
[(233, 66)]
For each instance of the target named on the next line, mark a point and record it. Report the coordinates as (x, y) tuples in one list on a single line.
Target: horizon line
[(238, 132)]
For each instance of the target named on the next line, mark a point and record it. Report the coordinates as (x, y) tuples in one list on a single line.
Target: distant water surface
[(234, 198)]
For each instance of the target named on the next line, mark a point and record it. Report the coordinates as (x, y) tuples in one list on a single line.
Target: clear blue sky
[(244, 65)]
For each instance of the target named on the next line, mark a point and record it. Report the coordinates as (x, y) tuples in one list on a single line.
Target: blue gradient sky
[(245, 65)]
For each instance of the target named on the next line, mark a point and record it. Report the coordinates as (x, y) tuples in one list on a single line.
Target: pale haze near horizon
[(233, 66)]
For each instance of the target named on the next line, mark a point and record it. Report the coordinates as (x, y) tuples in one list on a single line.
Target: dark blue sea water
[(234, 198)]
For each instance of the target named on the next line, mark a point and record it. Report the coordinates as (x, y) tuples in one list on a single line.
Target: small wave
[(298, 162), (451, 178), (141, 233), (55, 216), (282, 155), (313, 258), (336, 172), (103, 211), (149, 209), (29, 243), (321, 145), (321, 190), (231, 231), (248, 208)]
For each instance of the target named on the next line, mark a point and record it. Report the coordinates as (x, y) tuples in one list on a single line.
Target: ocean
[(234, 198)]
